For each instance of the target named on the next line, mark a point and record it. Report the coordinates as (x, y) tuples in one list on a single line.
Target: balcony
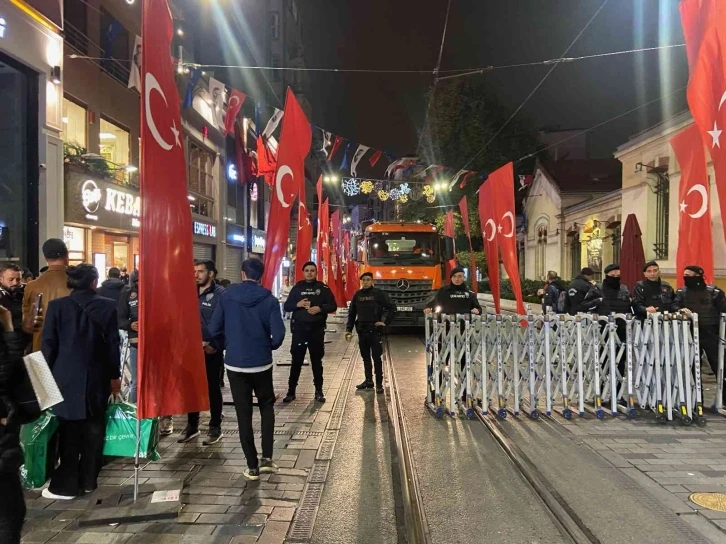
[(118, 69)]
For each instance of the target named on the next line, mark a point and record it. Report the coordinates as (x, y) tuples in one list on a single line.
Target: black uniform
[(208, 300), (13, 301), (709, 303), (658, 294), (455, 299), (308, 331), (368, 307), (577, 290)]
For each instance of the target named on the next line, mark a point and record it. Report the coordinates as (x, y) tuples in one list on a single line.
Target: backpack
[(559, 300)]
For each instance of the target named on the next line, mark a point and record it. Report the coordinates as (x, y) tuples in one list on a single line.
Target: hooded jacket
[(576, 293), (111, 288), (128, 309), (552, 293), (249, 318)]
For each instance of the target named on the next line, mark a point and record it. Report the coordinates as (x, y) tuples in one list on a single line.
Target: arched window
[(540, 259)]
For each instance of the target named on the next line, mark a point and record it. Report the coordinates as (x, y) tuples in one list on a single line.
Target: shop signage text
[(99, 202), (258, 240), (116, 201), (204, 229)]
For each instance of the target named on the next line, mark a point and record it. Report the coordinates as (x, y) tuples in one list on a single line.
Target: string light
[(383, 195), (430, 198), (366, 187)]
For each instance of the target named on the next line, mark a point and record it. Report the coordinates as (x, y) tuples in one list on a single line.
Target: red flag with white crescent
[(491, 242), (464, 210), (171, 371), (704, 28), (450, 231), (336, 144), (695, 236), (295, 139), (502, 187), (304, 234), (236, 99)]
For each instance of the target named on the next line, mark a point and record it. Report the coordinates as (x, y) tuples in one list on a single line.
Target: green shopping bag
[(121, 433), (35, 440)]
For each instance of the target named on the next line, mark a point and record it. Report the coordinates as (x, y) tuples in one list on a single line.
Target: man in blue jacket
[(249, 318)]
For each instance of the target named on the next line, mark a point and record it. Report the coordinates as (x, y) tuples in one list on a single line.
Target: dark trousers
[(12, 508), (302, 341), (243, 384), (215, 367), (371, 344), (81, 455)]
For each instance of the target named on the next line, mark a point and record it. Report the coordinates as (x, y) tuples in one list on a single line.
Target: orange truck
[(408, 262)]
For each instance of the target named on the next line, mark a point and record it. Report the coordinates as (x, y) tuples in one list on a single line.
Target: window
[(75, 25), (275, 25), (575, 256), (616, 244), (409, 249), (74, 124), (662, 213), (115, 48), (540, 257), (201, 180), (115, 147), (276, 63)]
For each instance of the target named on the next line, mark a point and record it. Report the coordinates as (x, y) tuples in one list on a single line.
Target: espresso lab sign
[(95, 202)]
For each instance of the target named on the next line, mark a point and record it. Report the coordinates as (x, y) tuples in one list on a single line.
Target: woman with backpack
[(553, 294)]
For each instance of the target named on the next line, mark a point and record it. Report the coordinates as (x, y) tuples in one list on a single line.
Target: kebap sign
[(95, 202)]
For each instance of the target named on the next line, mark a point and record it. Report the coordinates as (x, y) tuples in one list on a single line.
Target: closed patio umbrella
[(632, 256)]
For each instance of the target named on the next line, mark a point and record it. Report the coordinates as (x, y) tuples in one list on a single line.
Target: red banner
[(375, 158), (502, 182), (450, 231), (491, 242), (695, 236), (336, 144), (335, 281), (295, 139), (319, 239), (304, 234), (325, 229), (352, 284), (234, 104), (266, 161), (171, 371), (704, 27), (464, 210)]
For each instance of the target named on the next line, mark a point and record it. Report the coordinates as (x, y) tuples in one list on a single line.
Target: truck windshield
[(397, 248)]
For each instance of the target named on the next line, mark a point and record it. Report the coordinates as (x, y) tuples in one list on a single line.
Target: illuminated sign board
[(204, 229), (97, 202), (257, 240)]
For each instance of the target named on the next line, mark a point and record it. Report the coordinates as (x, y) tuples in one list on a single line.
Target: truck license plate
[(404, 308)]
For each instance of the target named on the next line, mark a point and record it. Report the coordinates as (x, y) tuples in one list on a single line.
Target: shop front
[(234, 249), (205, 239), (257, 239), (101, 222)]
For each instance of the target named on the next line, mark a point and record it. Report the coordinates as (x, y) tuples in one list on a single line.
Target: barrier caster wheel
[(686, 420), (439, 412), (502, 413), (534, 414), (632, 413), (567, 413), (470, 413), (661, 419), (600, 414), (701, 421)]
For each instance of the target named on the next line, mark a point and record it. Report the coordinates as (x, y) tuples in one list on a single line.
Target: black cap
[(695, 269), (366, 275), (53, 248), (310, 263), (456, 270), (587, 271), (647, 265), (609, 268)]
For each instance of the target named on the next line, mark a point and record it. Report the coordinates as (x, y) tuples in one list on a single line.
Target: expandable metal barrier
[(566, 363)]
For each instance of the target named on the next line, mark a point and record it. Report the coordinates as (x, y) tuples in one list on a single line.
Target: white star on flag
[(176, 133), (715, 135), (683, 206)]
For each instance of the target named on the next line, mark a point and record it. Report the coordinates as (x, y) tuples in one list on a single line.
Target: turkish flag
[(375, 158), (304, 234), (319, 239), (704, 27), (352, 283), (450, 231), (472, 260), (172, 375), (491, 242), (336, 144), (234, 104), (266, 161), (695, 236), (295, 139), (502, 187), (336, 280), (324, 226)]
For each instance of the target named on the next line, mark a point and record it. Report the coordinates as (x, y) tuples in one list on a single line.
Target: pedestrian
[(27, 276), (11, 293), (553, 294), (284, 293), (652, 294), (124, 276), (577, 291), (51, 285), (310, 301), (709, 302), (248, 318), (128, 320), (17, 406), (210, 295), (455, 298), (112, 287), (370, 311), (81, 345)]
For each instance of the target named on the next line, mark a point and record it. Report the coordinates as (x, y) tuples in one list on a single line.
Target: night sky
[(385, 111)]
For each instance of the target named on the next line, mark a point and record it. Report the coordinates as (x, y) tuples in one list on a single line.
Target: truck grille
[(418, 291)]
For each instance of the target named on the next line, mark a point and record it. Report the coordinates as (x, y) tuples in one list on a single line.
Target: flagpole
[(136, 456)]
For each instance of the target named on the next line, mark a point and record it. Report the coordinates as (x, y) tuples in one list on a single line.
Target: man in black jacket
[(370, 312), (455, 298), (652, 294), (577, 291), (709, 302), (310, 302), (17, 406), (610, 296), (210, 295), (112, 287)]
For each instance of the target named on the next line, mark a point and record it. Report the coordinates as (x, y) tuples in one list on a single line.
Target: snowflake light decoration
[(395, 194), (383, 195), (428, 191), (403, 199), (416, 192), (366, 187), (404, 189), (430, 198), (351, 186)]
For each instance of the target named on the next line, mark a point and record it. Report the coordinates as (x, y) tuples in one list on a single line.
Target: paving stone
[(206, 508), (222, 519), (39, 536), (282, 514)]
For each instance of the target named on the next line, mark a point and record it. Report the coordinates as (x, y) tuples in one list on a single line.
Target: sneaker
[(214, 435), (166, 426), (290, 397), (187, 435), (252, 473), (367, 384), (267, 465), (379, 389), (319, 397), (48, 495)]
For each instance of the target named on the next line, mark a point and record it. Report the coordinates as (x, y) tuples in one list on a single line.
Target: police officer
[(310, 302), (610, 296), (652, 295), (11, 294), (370, 311), (709, 302), (210, 295), (455, 298), (577, 290)]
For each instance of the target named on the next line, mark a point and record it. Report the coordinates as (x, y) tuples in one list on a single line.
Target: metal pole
[(612, 332), (700, 419), (685, 417), (687, 363), (136, 457), (667, 349), (453, 363), (659, 409), (548, 367), (563, 369), (502, 411), (580, 384), (533, 412), (629, 350), (484, 367), (719, 377), (515, 362), (595, 327)]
